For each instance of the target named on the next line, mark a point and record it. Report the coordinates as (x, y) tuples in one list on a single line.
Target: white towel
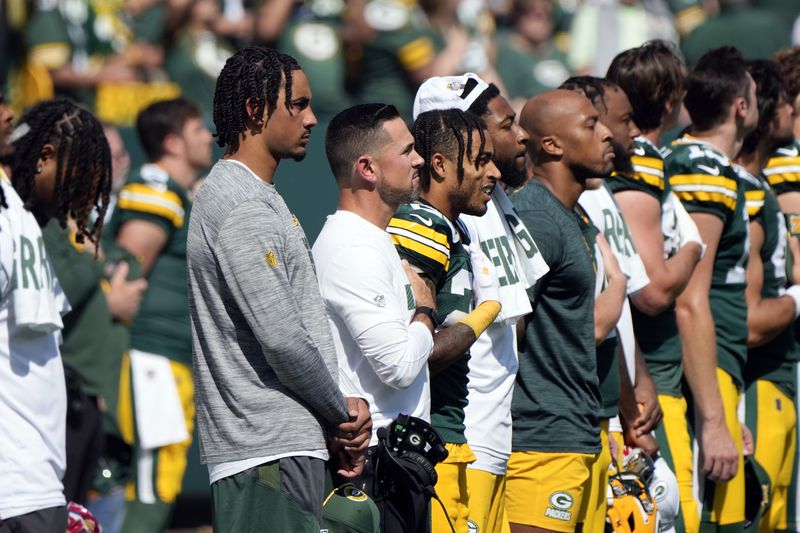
[(37, 297), (500, 243), (531, 261), (159, 414)]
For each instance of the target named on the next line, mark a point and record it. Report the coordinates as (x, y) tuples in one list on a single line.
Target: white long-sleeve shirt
[(370, 304)]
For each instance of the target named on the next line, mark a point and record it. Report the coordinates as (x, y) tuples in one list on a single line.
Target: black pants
[(402, 508), (52, 520), (84, 443)]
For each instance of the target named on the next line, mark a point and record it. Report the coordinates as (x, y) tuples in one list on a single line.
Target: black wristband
[(430, 313)]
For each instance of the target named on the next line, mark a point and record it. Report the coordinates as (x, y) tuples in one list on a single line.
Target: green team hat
[(349, 510)]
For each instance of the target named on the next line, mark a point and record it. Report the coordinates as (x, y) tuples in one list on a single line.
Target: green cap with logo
[(349, 510)]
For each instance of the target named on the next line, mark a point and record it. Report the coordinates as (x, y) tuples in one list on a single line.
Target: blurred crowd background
[(119, 56)]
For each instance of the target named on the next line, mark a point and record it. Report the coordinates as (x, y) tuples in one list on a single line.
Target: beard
[(509, 173), (395, 197), (622, 158)]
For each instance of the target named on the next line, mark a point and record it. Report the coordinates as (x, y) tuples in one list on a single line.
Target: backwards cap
[(448, 92)]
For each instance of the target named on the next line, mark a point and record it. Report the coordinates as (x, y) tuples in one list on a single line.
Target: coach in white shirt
[(382, 314)]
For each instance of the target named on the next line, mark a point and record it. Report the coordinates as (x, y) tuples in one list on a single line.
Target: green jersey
[(82, 34), (162, 324), (783, 172), (773, 361), (314, 37), (657, 335), (704, 180), (404, 42), (436, 247), (556, 401)]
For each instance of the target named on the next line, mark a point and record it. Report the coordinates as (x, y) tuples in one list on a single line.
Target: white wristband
[(794, 293)]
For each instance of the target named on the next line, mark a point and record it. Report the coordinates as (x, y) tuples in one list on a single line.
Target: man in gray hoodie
[(269, 407)]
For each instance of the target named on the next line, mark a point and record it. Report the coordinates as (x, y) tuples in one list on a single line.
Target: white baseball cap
[(448, 92)]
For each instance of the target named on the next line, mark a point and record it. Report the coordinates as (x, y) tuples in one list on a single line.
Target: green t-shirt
[(773, 361), (704, 180), (162, 324), (436, 247), (404, 42), (88, 327), (93, 341), (556, 402), (657, 335), (525, 73)]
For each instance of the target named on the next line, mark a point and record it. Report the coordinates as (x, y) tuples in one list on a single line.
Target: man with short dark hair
[(711, 312), (150, 221), (556, 431), (264, 359), (382, 315)]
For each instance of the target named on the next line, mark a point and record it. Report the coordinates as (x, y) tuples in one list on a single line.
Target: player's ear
[(367, 169), (439, 164), (255, 121), (551, 145)]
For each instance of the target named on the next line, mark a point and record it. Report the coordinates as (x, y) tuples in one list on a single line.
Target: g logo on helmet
[(658, 490), (415, 439), (561, 500)]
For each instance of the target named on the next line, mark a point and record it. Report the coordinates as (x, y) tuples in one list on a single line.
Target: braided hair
[(592, 87), (253, 74), (83, 163), (448, 132)]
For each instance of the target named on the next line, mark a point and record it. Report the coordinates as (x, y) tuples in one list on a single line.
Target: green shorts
[(283, 495)]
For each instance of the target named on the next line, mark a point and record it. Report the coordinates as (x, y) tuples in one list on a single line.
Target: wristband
[(794, 293), (482, 316), (430, 313)]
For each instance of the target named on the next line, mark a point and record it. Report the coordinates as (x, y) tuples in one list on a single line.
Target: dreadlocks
[(448, 132), (252, 75), (83, 162), (592, 87)]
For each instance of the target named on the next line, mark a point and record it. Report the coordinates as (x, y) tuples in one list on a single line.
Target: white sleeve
[(358, 287), (397, 357)]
